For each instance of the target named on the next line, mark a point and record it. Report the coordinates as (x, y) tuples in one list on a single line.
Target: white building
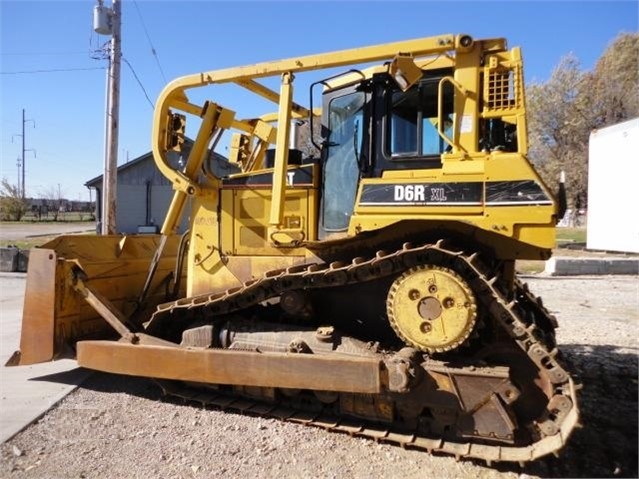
[(613, 188)]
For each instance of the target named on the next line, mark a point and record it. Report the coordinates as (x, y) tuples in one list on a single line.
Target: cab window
[(413, 120)]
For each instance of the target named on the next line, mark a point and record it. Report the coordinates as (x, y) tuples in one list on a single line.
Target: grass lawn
[(27, 243), (567, 235)]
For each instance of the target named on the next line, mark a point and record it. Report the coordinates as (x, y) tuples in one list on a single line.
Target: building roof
[(97, 181)]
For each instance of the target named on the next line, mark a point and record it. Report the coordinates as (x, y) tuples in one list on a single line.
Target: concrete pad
[(575, 266), (27, 392)]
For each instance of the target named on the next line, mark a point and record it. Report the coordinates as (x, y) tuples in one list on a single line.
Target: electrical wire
[(138, 80), (153, 51)]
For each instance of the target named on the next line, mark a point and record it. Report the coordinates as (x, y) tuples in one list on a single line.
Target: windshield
[(341, 170)]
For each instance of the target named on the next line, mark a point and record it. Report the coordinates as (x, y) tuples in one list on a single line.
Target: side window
[(404, 118), (413, 120)]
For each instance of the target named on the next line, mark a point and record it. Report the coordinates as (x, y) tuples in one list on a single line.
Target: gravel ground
[(122, 427)]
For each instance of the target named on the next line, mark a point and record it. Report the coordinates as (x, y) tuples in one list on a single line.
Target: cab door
[(345, 122)]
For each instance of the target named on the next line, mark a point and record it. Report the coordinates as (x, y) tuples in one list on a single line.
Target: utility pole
[(109, 184), (19, 162), (22, 160)]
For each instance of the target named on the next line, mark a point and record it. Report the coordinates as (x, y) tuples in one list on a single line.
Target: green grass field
[(576, 235)]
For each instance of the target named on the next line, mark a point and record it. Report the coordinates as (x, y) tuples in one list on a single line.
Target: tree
[(614, 83), (12, 205), (560, 125), (564, 111), (55, 200), (303, 137)]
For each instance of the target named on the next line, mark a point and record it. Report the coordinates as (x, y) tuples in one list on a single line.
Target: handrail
[(440, 112)]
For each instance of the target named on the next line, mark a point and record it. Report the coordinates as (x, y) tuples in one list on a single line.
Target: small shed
[(143, 194), (613, 172)]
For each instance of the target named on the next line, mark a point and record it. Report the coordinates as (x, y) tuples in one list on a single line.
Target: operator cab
[(373, 126)]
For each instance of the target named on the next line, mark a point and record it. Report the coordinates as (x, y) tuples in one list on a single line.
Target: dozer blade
[(56, 316)]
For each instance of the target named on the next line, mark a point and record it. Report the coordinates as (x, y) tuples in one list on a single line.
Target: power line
[(155, 54), (54, 70), (138, 80)]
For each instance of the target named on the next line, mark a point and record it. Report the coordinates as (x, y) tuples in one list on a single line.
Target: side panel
[(251, 210), (507, 200), (246, 203), (229, 238)]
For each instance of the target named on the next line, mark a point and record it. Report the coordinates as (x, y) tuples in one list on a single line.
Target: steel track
[(524, 318)]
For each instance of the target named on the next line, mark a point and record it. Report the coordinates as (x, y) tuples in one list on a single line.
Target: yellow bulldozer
[(363, 282)]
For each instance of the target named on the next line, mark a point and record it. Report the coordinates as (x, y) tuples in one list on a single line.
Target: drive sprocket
[(431, 308)]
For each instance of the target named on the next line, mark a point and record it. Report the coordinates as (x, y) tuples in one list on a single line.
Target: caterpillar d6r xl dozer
[(367, 288)]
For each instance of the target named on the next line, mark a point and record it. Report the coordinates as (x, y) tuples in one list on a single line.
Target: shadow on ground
[(606, 445)]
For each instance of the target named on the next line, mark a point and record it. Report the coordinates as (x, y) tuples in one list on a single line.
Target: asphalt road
[(19, 231)]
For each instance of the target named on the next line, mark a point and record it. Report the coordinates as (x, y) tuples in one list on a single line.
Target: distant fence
[(43, 214)]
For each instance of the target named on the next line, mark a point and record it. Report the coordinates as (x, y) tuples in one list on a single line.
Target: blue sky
[(67, 107)]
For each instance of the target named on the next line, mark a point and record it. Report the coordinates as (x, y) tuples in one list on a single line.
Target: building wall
[(129, 209), (140, 186)]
